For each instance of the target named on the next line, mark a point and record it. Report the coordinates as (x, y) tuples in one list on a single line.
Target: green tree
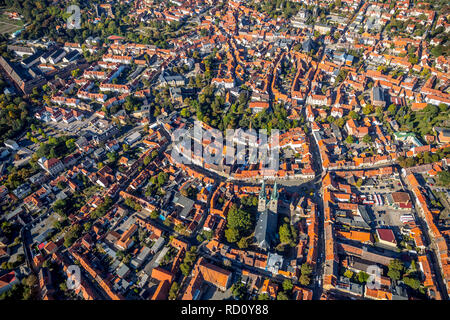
[(330, 119), (367, 139), (147, 160), (185, 113), (154, 214), (304, 280), (354, 115), (395, 269), (437, 51), (306, 269), (59, 206), (350, 140), (263, 296), (359, 182), (368, 109), (243, 243), (286, 233), (162, 178), (363, 277), (348, 273), (444, 178), (238, 290), (72, 235), (76, 73), (392, 109), (239, 223), (412, 282), (287, 285), (232, 235), (340, 122), (185, 269), (173, 291), (112, 157), (282, 296)]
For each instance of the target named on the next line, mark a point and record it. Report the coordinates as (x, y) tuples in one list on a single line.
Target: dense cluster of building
[(141, 225)]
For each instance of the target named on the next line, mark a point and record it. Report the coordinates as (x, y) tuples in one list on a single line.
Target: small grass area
[(8, 25)]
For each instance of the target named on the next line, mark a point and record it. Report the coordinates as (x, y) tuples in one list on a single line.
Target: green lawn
[(8, 25)]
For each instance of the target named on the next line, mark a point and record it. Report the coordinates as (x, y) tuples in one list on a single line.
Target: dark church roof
[(308, 45), (267, 220)]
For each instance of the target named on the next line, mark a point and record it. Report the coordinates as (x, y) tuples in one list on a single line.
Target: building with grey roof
[(356, 222), (274, 263), (364, 214), (378, 97), (185, 203), (122, 271), (344, 284), (267, 220), (157, 245)]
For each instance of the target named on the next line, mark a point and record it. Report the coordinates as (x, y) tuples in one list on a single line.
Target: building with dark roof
[(267, 220), (378, 97), (364, 214), (344, 284), (185, 203), (356, 222), (21, 77), (309, 45)]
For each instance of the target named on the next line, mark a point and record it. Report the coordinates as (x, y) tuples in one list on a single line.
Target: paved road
[(317, 163)]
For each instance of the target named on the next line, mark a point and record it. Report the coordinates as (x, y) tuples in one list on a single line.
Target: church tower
[(273, 203), (266, 226), (262, 202)]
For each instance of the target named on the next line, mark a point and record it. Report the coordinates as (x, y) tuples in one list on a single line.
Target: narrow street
[(317, 163)]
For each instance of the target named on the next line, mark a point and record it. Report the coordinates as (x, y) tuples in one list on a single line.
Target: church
[(266, 226)]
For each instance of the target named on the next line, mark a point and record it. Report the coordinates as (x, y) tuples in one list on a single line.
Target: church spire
[(262, 192), (274, 195), (262, 201)]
